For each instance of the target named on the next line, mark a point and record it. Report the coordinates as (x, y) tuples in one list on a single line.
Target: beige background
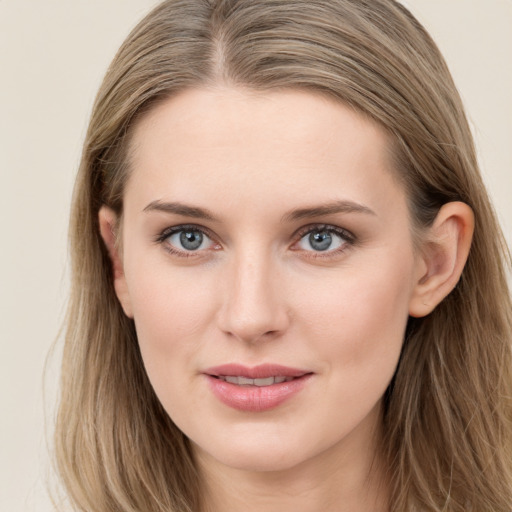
[(53, 54)]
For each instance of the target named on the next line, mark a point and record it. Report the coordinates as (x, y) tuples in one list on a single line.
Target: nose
[(254, 306)]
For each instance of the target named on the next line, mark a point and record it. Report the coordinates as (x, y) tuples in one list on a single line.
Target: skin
[(257, 291)]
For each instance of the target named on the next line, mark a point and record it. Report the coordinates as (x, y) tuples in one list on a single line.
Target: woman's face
[(269, 267)]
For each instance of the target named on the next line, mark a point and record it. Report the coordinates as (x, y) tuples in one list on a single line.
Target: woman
[(288, 284)]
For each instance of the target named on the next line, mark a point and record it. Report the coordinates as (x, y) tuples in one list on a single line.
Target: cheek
[(172, 310), (359, 322)]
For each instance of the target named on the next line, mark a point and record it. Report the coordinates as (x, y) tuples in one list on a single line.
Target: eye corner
[(199, 237), (333, 242)]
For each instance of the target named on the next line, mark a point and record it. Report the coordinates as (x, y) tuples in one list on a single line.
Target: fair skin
[(294, 249)]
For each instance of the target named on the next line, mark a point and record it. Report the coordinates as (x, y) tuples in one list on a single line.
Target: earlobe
[(108, 222), (444, 254)]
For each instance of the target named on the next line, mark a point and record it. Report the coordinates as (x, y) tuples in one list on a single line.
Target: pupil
[(191, 240), (320, 241)]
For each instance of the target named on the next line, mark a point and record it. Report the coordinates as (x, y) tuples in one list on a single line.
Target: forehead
[(264, 147)]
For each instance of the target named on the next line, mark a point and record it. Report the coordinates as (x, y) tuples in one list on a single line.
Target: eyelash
[(166, 233), (348, 238)]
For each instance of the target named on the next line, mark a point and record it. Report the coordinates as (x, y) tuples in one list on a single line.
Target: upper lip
[(261, 371)]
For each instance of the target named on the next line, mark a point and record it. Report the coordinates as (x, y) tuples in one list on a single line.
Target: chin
[(257, 456)]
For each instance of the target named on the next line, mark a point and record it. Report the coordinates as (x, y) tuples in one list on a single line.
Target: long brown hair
[(448, 411)]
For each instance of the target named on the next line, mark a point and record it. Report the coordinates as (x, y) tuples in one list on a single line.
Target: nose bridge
[(254, 306)]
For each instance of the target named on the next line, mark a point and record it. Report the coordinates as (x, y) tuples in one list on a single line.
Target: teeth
[(244, 381), (264, 382)]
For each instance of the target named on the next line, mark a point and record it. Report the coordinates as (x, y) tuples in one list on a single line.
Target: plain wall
[(53, 54)]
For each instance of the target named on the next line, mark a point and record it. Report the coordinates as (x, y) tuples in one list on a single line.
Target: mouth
[(260, 371), (255, 389), (244, 381)]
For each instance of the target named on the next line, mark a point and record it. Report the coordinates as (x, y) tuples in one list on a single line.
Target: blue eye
[(186, 239), (323, 239)]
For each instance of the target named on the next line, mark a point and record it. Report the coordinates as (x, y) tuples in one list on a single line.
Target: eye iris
[(191, 240), (320, 240)]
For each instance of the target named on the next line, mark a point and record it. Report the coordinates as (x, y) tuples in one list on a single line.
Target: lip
[(254, 398), (261, 371)]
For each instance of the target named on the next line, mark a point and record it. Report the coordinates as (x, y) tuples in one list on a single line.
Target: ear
[(443, 256), (108, 221)]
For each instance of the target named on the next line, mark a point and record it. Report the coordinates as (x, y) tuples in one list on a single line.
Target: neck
[(348, 478)]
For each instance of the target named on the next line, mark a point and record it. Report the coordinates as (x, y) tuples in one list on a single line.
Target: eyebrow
[(180, 209), (294, 215), (327, 209)]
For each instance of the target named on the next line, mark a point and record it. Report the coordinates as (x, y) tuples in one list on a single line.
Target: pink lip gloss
[(253, 398)]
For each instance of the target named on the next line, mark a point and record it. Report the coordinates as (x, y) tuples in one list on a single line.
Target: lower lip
[(255, 398)]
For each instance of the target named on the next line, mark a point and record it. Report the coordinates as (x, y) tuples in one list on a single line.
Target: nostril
[(254, 336)]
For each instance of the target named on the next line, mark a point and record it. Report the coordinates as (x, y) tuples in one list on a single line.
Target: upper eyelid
[(328, 227), (171, 230)]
